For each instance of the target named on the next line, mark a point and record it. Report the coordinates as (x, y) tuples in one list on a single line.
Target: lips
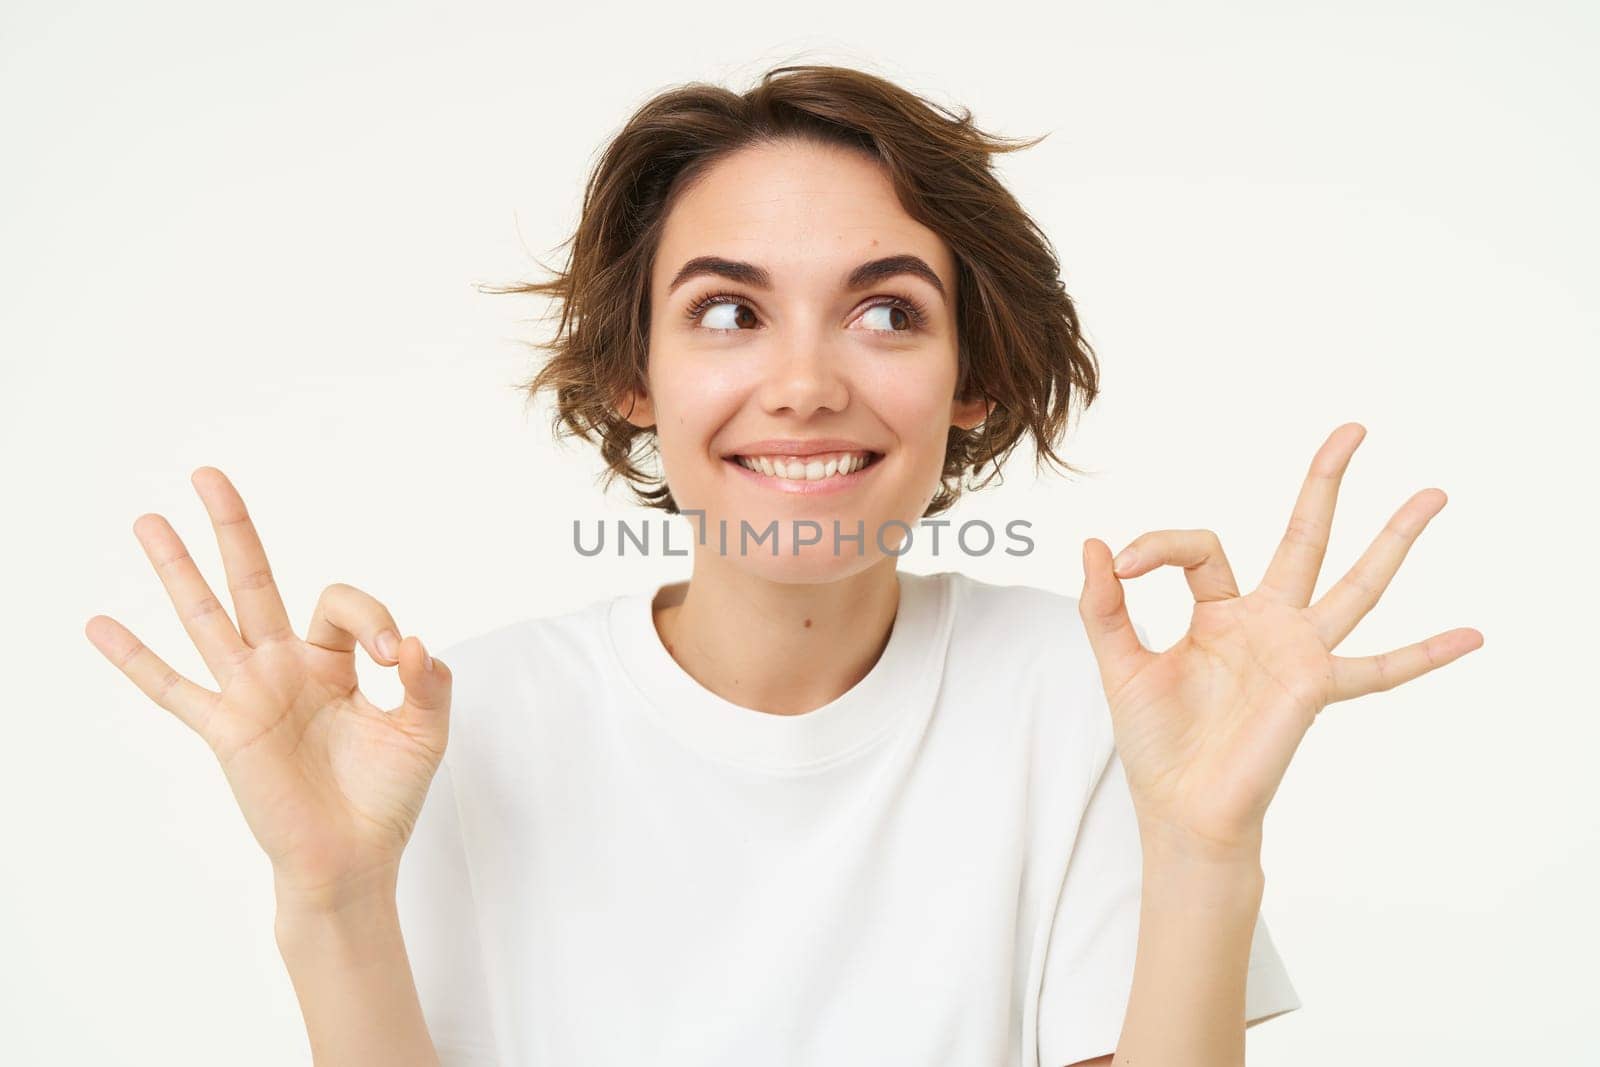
[(798, 446)]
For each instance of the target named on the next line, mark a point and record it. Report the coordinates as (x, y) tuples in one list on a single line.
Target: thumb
[(1104, 611), (426, 706)]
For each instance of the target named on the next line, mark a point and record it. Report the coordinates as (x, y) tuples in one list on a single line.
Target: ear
[(635, 406), (967, 414)]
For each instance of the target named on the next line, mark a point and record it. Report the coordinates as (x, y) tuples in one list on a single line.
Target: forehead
[(797, 209)]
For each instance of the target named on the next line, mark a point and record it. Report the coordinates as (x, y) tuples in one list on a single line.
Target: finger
[(1198, 552), (1104, 610), (1344, 605), (202, 614), (256, 600), (427, 683), (191, 703), (1354, 677), (1291, 577), (345, 615)]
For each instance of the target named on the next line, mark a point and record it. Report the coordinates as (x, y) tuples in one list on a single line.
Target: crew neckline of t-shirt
[(905, 676)]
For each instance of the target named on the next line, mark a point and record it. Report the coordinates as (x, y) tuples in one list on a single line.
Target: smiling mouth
[(817, 468)]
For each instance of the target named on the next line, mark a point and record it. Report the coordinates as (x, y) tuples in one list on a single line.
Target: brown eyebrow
[(866, 274)]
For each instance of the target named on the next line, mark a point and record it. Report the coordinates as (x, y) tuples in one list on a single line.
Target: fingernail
[(1125, 561), (427, 660), (389, 644)]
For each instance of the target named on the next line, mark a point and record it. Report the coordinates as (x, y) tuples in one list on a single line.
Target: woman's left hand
[(1206, 729)]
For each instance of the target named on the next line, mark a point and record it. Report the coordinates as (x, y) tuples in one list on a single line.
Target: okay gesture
[(1206, 729), (330, 784)]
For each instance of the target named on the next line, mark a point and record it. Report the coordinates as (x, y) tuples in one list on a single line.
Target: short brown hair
[(1020, 346)]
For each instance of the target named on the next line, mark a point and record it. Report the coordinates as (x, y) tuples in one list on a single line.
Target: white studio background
[(248, 236)]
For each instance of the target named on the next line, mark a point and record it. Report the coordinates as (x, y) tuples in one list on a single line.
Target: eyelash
[(918, 313)]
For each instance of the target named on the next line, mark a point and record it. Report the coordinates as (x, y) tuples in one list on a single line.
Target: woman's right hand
[(329, 783)]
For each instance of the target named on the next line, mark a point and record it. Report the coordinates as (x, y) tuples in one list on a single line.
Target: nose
[(804, 377)]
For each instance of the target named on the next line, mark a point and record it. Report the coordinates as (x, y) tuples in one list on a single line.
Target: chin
[(815, 564), (779, 558)]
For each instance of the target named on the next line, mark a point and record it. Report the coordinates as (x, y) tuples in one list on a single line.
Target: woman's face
[(776, 344)]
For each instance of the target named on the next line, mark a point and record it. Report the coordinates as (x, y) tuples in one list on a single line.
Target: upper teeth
[(806, 468)]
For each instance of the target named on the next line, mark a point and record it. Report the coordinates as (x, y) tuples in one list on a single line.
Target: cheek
[(916, 408), (684, 373), (693, 397)]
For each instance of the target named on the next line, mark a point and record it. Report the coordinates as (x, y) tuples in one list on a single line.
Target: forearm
[(1197, 915), (348, 964)]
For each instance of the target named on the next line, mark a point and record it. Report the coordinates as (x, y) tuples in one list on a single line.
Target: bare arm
[(1197, 914), (350, 972)]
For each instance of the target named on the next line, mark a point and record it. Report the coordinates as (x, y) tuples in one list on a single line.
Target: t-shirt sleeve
[(439, 921), (1088, 967)]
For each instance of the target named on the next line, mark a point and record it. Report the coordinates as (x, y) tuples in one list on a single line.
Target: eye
[(738, 315), (902, 316), (899, 314)]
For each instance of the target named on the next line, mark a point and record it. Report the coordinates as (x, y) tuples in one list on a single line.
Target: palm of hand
[(1206, 728), (1238, 690), (342, 779)]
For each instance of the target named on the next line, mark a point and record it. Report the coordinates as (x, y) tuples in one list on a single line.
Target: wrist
[(1167, 842), (352, 906), (316, 897), (355, 932), (1201, 871)]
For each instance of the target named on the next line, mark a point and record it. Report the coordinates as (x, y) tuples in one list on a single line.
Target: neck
[(785, 648)]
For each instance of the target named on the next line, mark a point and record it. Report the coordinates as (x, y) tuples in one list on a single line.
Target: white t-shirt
[(614, 865)]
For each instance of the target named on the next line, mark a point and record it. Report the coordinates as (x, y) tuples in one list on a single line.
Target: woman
[(803, 808)]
